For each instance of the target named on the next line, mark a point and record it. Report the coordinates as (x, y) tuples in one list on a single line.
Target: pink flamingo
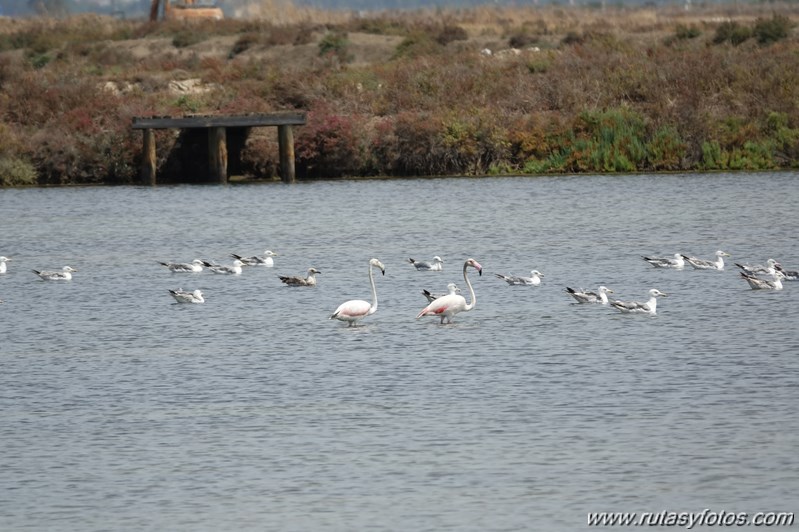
[(450, 304), (356, 309)]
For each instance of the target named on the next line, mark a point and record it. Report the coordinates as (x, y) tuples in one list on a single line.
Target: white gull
[(754, 269), (635, 307), (182, 296), (533, 280), (257, 260), (234, 269), (436, 266), (64, 275), (677, 263), (194, 266), (586, 296), (764, 284), (702, 264), (310, 280)]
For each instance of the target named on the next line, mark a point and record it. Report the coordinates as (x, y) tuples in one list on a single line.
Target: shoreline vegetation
[(488, 90)]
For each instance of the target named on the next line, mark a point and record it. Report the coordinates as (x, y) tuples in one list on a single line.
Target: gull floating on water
[(436, 266), (701, 264), (194, 266), (452, 288), (234, 269), (257, 260), (634, 307), (310, 280), (790, 275), (768, 269), (181, 296), (64, 275), (677, 263), (533, 280), (3, 266), (586, 296), (764, 284)]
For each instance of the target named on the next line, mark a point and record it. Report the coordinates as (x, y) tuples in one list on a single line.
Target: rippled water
[(122, 410)]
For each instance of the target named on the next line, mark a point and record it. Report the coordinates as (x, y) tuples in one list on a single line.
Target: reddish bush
[(329, 145), (418, 148)]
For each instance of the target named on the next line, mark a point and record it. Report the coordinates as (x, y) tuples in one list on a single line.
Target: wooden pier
[(217, 140)]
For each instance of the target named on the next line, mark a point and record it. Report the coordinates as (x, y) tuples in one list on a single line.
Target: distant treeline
[(468, 92)]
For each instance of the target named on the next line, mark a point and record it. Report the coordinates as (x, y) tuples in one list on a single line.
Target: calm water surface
[(122, 410)]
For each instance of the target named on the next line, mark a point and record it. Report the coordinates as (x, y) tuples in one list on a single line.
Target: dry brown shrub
[(260, 157), (445, 110)]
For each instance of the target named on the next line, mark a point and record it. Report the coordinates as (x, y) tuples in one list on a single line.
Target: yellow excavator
[(184, 10)]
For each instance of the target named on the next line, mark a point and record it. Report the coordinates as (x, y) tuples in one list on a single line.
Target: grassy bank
[(468, 92)]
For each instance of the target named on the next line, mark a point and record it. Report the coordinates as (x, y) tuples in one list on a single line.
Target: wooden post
[(215, 126), (217, 154), (285, 142), (148, 165)]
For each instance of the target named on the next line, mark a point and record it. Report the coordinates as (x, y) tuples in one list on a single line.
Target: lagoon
[(122, 410)]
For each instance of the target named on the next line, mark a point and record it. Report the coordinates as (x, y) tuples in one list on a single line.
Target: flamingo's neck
[(373, 308), (470, 306)]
